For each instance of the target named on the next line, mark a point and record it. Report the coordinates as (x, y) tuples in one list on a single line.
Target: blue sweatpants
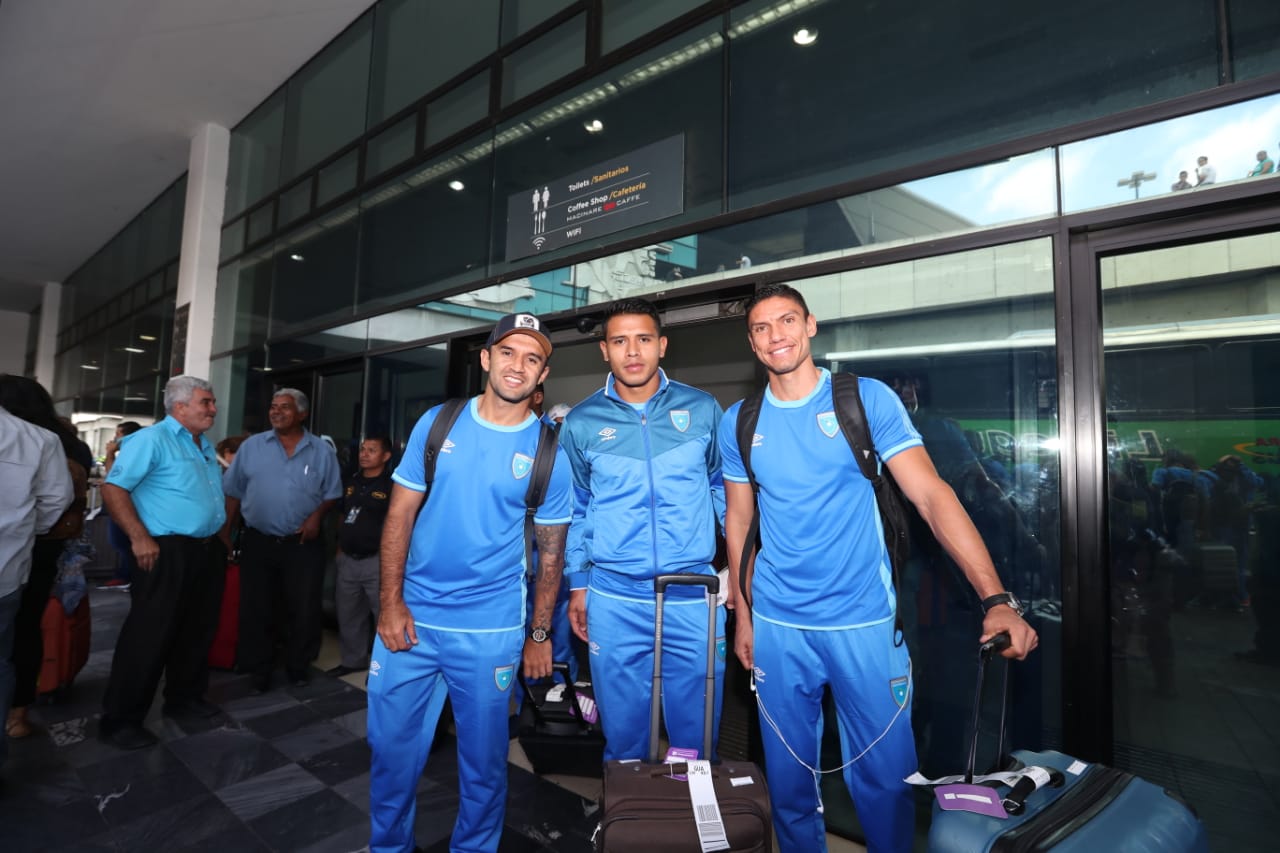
[(869, 679), (406, 694), (621, 632)]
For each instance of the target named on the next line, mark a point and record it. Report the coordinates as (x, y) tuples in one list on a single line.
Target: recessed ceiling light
[(805, 37), (296, 257), (90, 367), (146, 337), (594, 126), (457, 186), (133, 349)]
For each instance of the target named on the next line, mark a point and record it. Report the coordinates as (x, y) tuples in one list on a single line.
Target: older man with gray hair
[(165, 492), (282, 482)]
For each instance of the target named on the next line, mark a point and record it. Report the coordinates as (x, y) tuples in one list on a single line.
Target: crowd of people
[(1206, 173)]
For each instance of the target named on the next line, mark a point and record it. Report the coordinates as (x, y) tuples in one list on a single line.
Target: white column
[(198, 264), (47, 342)]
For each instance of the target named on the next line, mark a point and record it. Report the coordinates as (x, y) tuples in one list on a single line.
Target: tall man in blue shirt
[(282, 482), (647, 499), (165, 493), (452, 621), (822, 596)]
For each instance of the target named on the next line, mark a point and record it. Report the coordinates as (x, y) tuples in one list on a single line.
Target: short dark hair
[(128, 427), (384, 440), (634, 305), (769, 291)]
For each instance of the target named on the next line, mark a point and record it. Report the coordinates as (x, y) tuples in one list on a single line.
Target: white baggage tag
[(706, 810)]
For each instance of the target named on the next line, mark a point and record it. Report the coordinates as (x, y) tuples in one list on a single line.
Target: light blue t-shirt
[(465, 570), (278, 491), (175, 486), (823, 562)]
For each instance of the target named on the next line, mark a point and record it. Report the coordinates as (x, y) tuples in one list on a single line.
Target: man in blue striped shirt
[(165, 493)]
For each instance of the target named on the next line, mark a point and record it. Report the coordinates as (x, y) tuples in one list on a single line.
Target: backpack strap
[(748, 417), (539, 479), (445, 419), (893, 516)]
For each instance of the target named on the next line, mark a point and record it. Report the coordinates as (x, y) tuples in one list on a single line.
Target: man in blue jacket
[(647, 499)]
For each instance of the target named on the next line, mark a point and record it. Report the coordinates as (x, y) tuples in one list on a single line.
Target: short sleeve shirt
[(175, 485), (278, 491)]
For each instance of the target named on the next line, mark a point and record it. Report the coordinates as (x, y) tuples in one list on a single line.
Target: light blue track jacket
[(648, 494)]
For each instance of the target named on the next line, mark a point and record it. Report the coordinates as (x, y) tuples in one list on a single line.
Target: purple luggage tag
[(680, 755), (970, 798)]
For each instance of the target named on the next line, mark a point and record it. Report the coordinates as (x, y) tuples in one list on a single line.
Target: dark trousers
[(125, 562), (28, 640), (281, 582), (171, 624)]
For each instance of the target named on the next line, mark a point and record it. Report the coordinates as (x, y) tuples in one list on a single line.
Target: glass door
[(1191, 378)]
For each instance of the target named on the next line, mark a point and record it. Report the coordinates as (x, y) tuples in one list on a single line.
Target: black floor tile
[(27, 825), (253, 798), (134, 784), (284, 722), (308, 821), (189, 823), (320, 736), (227, 755), (340, 703), (340, 764)]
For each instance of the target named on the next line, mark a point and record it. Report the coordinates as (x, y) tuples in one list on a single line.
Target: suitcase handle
[(575, 708), (998, 643), (660, 584)]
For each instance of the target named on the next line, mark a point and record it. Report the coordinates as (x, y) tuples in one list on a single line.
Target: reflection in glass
[(338, 177), (544, 61), (1255, 49), (460, 107), (1192, 351), (242, 303), (402, 386), (519, 16), (392, 146), (315, 272), (295, 203), (1205, 149), (253, 169), (967, 342)]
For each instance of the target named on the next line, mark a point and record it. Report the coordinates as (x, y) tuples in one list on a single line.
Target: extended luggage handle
[(574, 707), (660, 584), (998, 643)]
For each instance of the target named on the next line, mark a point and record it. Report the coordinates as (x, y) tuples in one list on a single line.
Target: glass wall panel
[(232, 242), (552, 56), (253, 169), (391, 147), (420, 44), (1235, 143), (967, 341), (295, 203), (1255, 37), (519, 16), (338, 177), (427, 229), (672, 90), (261, 223), (625, 20), (1191, 339), (325, 105), (242, 303), (239, 383), (346, 339), (315, 273), (824, 92), (460, 107), (402, 386)]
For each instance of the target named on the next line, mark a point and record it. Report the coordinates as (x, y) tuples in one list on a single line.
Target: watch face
[(538, 635)]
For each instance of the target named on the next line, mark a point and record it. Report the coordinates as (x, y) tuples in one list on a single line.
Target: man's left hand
[(537, 659), (1022, 637), (310, 529)]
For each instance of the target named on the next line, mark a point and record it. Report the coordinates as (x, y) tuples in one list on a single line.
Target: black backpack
[(543, 461), (853, 423)]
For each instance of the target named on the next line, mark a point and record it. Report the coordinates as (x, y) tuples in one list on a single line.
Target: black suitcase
[(555, 734), (648, 805)]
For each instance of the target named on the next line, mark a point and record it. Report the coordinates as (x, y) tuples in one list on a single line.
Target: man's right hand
[(578, 613), (145, 551), (396, 628), (744, 639)]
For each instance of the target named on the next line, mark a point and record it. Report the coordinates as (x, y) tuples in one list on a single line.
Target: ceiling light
[(146, 337), (594, 126), (804, 37), (296, 257), (457, 186), (90, 367), (133, 349)]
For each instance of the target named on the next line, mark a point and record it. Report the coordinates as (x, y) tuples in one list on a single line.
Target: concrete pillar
[(198, 264), (47, 342)]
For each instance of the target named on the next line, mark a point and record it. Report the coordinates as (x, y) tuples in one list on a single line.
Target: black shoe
[(342, 669), (300, 677), (261, 683), (128, 737), (191, 708)]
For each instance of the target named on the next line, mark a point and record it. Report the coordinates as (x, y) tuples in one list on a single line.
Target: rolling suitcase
[(1050, 801), (66, 644), (559, 730), (222, 651), (694, 807)]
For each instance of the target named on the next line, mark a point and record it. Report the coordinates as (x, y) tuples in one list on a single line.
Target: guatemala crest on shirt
[(502, 676), (521, 465), (680, 419), (828, 424)]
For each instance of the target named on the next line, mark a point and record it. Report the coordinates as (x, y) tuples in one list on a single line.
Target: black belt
[(290, 539)]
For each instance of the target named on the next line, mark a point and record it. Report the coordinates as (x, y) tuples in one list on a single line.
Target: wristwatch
[(1004, 598), (539, 634)]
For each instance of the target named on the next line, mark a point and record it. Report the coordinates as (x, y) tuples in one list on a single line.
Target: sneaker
[(343, 669)]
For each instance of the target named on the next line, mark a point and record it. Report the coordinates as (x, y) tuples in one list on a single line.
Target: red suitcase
[(646, 808), (222, 652), (66, 644)]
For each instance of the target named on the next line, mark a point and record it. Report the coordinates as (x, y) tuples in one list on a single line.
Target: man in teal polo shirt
[(165, 492)]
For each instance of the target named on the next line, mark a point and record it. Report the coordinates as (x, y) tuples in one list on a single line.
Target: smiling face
[(284, 415), (516, 364), (198, 413), (633, 348), (779, 331)]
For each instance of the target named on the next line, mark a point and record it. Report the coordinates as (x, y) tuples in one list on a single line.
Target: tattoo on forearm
[(550, 539)]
